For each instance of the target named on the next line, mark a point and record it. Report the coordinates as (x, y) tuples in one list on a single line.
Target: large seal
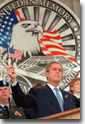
[(44, 31)]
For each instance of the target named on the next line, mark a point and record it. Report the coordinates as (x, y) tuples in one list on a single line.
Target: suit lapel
[(66, 100), (49, 93)]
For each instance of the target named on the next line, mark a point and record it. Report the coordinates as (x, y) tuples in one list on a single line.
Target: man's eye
[(6, 88)]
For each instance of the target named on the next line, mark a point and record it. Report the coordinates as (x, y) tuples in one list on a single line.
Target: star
[(8, 28), (10, 23), (75, 29), (7, 17), (2, 39), (11, 19), (9, 38), (5, 22), (7, 33), (1, 30), (0, 33), (78, 37), (3, 26), (5, 37)]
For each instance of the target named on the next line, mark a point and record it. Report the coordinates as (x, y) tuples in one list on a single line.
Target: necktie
[(60, 100), (6, 108)]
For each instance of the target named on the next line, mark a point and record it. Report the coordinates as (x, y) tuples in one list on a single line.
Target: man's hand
[(11, 73)]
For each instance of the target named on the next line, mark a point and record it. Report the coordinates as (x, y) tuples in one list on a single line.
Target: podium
[(71, 114)]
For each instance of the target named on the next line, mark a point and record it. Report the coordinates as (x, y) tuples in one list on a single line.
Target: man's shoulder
[(38, 91), (67, 92)]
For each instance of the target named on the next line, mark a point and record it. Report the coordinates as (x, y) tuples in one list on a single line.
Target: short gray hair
[(49, 65)]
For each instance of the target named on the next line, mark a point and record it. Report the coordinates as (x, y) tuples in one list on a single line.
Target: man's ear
[(46, 74)]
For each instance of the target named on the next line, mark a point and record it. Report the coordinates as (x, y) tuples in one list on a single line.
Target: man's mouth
[(57, 75), (4, 95)]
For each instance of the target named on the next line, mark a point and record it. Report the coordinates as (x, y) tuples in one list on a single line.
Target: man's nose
[(57, 71), (3, 91)]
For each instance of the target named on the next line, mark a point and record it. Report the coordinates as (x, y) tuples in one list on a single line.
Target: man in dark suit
[(46, 100), (6, 110)]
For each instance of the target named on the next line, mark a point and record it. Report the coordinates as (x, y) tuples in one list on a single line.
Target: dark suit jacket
[(42, 100), (77, 102)]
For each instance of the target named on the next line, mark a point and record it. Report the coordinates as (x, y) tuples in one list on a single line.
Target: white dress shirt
[(14, 84), (52, 88)]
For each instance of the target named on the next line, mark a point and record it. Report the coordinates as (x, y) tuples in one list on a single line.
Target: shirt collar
[(76, 96), (4, 105), (52, 87)]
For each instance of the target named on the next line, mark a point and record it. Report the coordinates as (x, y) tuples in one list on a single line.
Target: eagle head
[(25, 36)]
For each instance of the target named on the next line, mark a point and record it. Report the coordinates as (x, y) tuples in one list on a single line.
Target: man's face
[(55, 73), (4, 93)]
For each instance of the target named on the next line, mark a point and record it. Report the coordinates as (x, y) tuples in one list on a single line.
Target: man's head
[(54, 73), (4, 92)]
